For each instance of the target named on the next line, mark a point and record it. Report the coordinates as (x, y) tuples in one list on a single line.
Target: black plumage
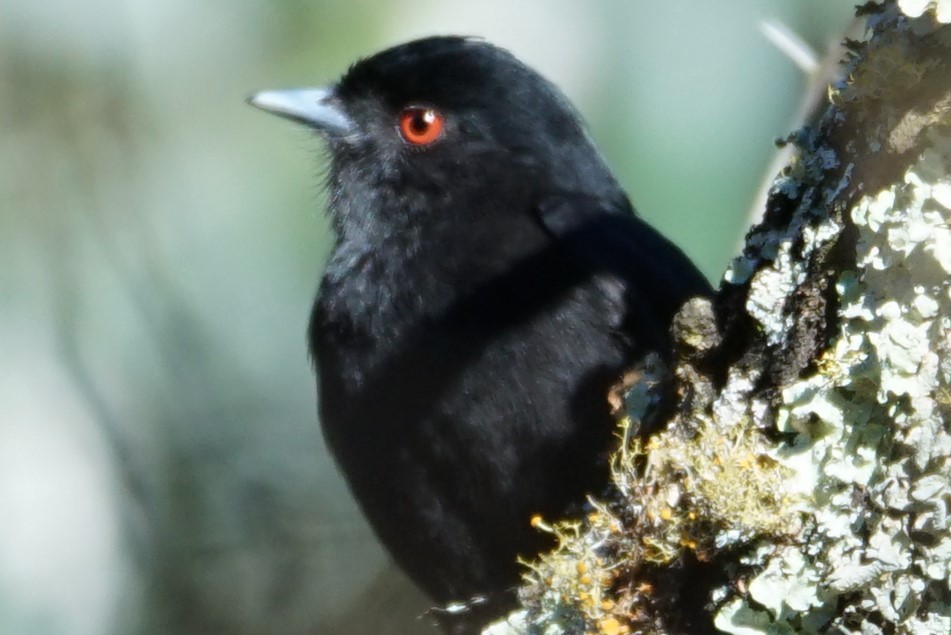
[(485, 289)]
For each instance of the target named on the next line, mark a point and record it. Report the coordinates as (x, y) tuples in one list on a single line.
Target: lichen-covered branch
[(792, 472)]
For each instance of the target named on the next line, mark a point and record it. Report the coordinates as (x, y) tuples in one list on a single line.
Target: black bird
[(488, 283)]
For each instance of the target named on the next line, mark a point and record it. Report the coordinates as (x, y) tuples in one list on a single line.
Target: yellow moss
[(681, 492), (744, 487), (611, 626)]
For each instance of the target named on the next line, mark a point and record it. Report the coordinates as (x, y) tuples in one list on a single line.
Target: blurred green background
[(161, 469)]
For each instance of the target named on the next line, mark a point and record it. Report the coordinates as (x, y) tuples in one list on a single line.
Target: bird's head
[(444, 119)]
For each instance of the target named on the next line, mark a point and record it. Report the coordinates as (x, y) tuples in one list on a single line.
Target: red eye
[(420, 125)]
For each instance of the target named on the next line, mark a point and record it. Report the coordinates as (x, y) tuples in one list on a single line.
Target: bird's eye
[(420, 125)]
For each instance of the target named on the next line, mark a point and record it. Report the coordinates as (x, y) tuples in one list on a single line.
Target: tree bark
[(792, 472)]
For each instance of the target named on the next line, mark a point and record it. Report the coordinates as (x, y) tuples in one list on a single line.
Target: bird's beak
[(314, 107)]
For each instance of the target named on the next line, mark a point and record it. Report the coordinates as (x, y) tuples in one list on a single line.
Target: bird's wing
[(608, 239)]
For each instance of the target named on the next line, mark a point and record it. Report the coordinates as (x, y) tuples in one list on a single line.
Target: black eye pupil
[(421, 121)]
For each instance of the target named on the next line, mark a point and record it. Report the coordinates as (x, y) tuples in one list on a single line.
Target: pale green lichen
[(873, 439)]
